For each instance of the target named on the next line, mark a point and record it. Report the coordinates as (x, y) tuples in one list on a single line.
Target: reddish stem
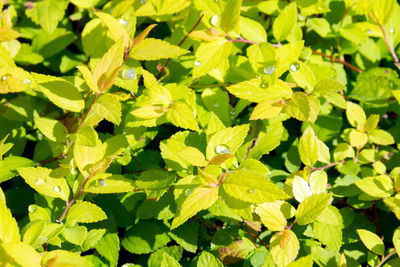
[(337, 60)]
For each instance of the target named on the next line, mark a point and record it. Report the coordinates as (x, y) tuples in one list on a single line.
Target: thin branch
[(337, 60), (326, 166), (240, 40), (384, 259), (391, 49)]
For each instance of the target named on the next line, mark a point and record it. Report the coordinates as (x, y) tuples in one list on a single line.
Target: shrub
[(199, 133)]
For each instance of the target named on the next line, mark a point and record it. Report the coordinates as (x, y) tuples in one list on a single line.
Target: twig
[(391, 49), (240, 40), (337, 60), (326, 166), (384, 259), (162, 68)]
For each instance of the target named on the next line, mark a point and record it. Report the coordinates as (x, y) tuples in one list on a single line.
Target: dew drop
[(251, 191), (3, 78), (392, 30), (122, 22), (101, 183), (294, 67), (369, 31), (216, 104), (32, 208), (216, 20), (143, 1), (39, 182), (197, 63), (26, 81), (222, 149), (232, 112), (57, 189), (230, 139), (129, 74), (269, 70)]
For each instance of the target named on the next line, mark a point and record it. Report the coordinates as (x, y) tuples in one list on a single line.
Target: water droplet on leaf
[(143, 1), (57, 189), (230, 139), (269, 70), (232, 112), (197, 63), (32, 209), (222, 149), (216, 20), (216, 104), (26, 81), (369, 31), (129, 74), (3, 78), (39, 182), (101, 183), (251, 191), (123, 22), (392, 30), (294, 67)]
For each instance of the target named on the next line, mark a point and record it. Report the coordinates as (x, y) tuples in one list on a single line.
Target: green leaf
[(193, 156), (85, 212), (285, 22), (396, 240), (299, 107), (63, 258), (320, 26), (271, 216), (383, 10), (380, 137), (9, 231), (85, 156), (87, 136), (47, 13), (182, 116), (109, 107), (92, 238), (186, 235), (252, 187), (284, 247), (145, 237), (353, 33), (157, 257), (230, 16), (210, 55), (155, 182), (84, 3), (306, 261), (311, 207), (201, 198), (286, 55), (252, 30), (328, 86), (52, 129), (318, 181), (60, 92), (168, 261), (329, 234), (301, 189), (226, 141), (303, 75), (208, 259), (308, 147), (154, 49), (108, 247), (116, 29), (371, 241), (75, 234), (377, 187), (266, 110), (262, 58), (107, 183), (40, 179), (357, 138), (9, 166), (355, 115)]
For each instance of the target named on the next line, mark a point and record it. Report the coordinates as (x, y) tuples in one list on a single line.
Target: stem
[(337, 60), (69, 204), (240, 40), (384, 259), (290, 226), (326, 166), (162, 68), (391, 49)]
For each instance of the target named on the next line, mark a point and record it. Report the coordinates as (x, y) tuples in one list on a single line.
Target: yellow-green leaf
[(107, 183), (9, 231), (301, 189), (230, 16), (182, 116), (193, 156), (285, 22), (60, 257), (116, 29), (85, 212), (266, 110), (271, 216), (371, 241), (380, 137), (284, 247), (299, 107), (148, 112), (154, 49), (378, 187), (52, 129), (311, 207), (357, 138), (355, 115), (383, 10), (308, 147)]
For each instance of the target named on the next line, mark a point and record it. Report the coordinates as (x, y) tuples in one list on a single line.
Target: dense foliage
[(199, 133)]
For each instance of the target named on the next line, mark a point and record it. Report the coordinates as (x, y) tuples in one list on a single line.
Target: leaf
[(210, 55), (186, 236), (371, 123), (328, 86), (355, 115), (311, 207), (85, 212), (193, 156), (14, 80), (320, 26), (106, 183), (323, 152), (226, 141), (85, 156), (157, 257), (357, 138), (21, 254), (286, 55), (371, 241), (230, 16), (301, 189), (329, 234), (116, 29), (9, 231), (87, 136), (47, 13), (271, 216), (138, 39), (266, 110), (383, 10), (109, 107), (252, 30), (40, 179), (378, 187), (306, 261), (303, 76), (318, 181), (75, 234), (221, 158), (182, 116), (89, 79), (60, 92), (201, 198), (252, 187), (154, 49), (7, 34), (283, 255), (84, 3), (52, 129), (208, 259), (9, 166), (63, 258), (168, 261), (145, 237), (299, 107), (108, 247), (155, 182), (380, 137), (308, 147), (285, 22)]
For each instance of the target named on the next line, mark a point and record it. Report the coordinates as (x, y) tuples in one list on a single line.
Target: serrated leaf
[(186, 236), (271, 216), (116, 29), (285, 22), (85, 212), (371, 241), (9, 231), (75, 234), (298, 106), (252, 187), (357, 138), (60, 92), (308, 147), (9, 166), (157, 257), (208, 259), (320, 26), (193, 156), (63, 258), (337, 100), (210, 55), (52, 129), (201, 198), (328, 86), (266, 110), (40, 179), (306, 261), (108, 247), (252, 30), (342, 151), (303, 76), (148, 112), (221, 158), (380, 137), (323, 152), (89, 79), (87, 136), (301, 189), (318, 181), (107, 183), (47, 13), (154, 49), (376, 186), (12, 80), (84, 3), (108, 106), (311, 207), (20, 254), (155, 182), (226, 141), (283, 255), (85, 155), (355, 115), (383, 10), (371, 123), (230, 16), (182, 116), (286, 55), (329, 234)]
